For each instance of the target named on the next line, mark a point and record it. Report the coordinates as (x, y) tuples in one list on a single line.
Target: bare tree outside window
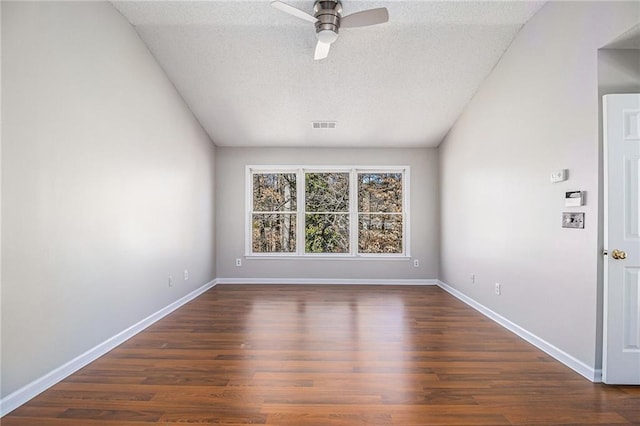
[(327, 212), (380, 213), (274, 213)]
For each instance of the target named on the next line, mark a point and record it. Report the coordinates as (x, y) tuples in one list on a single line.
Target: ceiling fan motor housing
[(328, 14)]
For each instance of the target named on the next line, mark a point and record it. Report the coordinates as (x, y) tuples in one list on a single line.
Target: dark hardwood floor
[(327, 355)]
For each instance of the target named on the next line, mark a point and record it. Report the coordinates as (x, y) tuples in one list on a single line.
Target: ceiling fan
[(328, 19)]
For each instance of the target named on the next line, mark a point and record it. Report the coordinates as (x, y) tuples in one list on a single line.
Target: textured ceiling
[(247, 72)]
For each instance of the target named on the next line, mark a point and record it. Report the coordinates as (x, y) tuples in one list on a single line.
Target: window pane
[(380, 233), (274, 192), (327, 192), (327, 233), (380, 192), (274, 233)]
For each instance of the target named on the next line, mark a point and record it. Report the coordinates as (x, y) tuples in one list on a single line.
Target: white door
[(621, 352)]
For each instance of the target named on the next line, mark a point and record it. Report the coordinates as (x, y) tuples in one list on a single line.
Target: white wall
[(0, 197), (230, 214), (107, 185), (501, 217), (618, 71)]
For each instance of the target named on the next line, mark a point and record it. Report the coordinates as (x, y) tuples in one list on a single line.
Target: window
[(274, 213), (326, 214), (380, 212), (327, 211)]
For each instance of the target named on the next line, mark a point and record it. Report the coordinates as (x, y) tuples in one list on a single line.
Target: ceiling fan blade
[(322, 50), (293, 11), (365, 18)]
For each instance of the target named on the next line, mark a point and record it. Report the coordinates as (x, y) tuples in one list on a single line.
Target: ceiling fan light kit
[(328, 19)]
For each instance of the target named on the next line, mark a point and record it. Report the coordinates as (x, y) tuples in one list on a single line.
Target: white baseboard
[(348, 281), (594, 375), (33, 389)]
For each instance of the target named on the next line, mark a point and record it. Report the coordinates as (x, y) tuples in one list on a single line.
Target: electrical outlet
[(238, 262), (498, 289), (416, 263), (473, 278), (170, 281), (186, 274)]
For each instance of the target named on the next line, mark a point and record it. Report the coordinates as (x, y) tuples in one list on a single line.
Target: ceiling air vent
[(324, 124)]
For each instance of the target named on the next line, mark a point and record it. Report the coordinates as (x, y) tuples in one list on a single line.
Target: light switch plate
[(572, 220)]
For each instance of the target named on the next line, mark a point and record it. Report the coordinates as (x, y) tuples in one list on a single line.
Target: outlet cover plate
[(559, 175)]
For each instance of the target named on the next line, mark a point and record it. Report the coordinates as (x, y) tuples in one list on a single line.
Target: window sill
[(325, 257)]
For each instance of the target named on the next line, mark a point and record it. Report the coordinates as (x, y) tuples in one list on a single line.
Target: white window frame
[(300, 212)]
